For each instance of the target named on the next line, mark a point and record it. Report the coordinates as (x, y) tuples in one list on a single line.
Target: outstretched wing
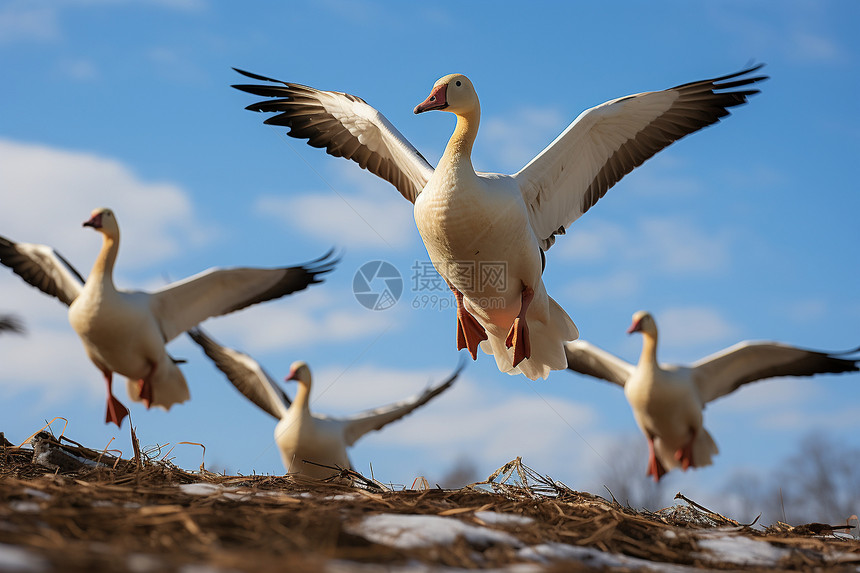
[(725, 371), (42, 267), (606, 142), (585, 358), (245, 374), (359, 424), (345, 126), (184, 304)]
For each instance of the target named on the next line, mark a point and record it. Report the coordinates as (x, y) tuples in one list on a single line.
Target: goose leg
[(685, 452), (470, 333), (115, 411), (145, 386), (518, 336), (655, 468)]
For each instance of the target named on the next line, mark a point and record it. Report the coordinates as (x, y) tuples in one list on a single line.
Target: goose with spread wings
[(486, 233), (311, 444), (125, 331), (667, 399)]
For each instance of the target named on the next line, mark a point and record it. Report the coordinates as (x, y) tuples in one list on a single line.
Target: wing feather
[(748, 361), (585, 358), (345, 126), (184, 304), (608, 141), (246, 375), (359, 424), (42, 267)]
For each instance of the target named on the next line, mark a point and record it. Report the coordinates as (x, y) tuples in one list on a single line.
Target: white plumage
[(125, 331), (667, 399), (311, 444), (469, 220)]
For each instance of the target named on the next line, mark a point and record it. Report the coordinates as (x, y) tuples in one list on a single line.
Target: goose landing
[(667, 399), (304, 436), (468, 219), (125, 331)]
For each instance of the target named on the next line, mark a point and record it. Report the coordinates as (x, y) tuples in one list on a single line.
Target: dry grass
[(81, 509)]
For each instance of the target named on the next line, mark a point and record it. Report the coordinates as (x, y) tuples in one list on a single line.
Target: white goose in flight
[(311, 444), (479, 225), (667, 399), (125, 331)]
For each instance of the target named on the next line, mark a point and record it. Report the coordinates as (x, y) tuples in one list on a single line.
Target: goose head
[(643, 322), (300, 372), (453, 93), (104, 221)]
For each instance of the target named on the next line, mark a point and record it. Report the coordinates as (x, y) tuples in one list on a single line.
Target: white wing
[(590, 360), (725, 371), (359, 424), (184, 304), (606, 142), (42, 267), (245, 374), (346, 126)]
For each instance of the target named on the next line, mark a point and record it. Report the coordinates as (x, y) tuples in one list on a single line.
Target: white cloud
[(693, 325), (362, 218), (302, 320), (548, 433), (28, 22), (512, 140), (79, 69), (669, 244), (51, 192), (616, 286)]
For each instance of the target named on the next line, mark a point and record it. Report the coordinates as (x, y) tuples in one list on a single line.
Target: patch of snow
[(343, 497), (741, 551), (14, 558), (553, 552), (143, 563), (495, 518), (339, 566), (37, 493), (200, 488), (24, 506), (413, 531)]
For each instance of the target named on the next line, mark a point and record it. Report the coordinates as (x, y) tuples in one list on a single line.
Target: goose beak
[(436, 100), (635, 327), (291, 375), (95, 221)]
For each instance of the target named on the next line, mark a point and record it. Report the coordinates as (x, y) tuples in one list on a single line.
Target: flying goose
[(125, 331), (10, 323), (668, 399), (310, 443), (486, 233)]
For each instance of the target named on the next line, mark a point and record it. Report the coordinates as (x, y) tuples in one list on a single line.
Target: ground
[(65, 507)]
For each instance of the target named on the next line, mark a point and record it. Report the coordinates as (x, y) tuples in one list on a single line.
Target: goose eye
[(433, 98), (459, 83)]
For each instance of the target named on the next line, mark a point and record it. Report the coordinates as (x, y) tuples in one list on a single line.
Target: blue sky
[(747, 230)]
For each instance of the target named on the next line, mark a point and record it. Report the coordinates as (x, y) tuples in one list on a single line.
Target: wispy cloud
[(50, 192), (22, 21), (509, 142), (671, 244), (690, 326), (363, 215), (300, 321)]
